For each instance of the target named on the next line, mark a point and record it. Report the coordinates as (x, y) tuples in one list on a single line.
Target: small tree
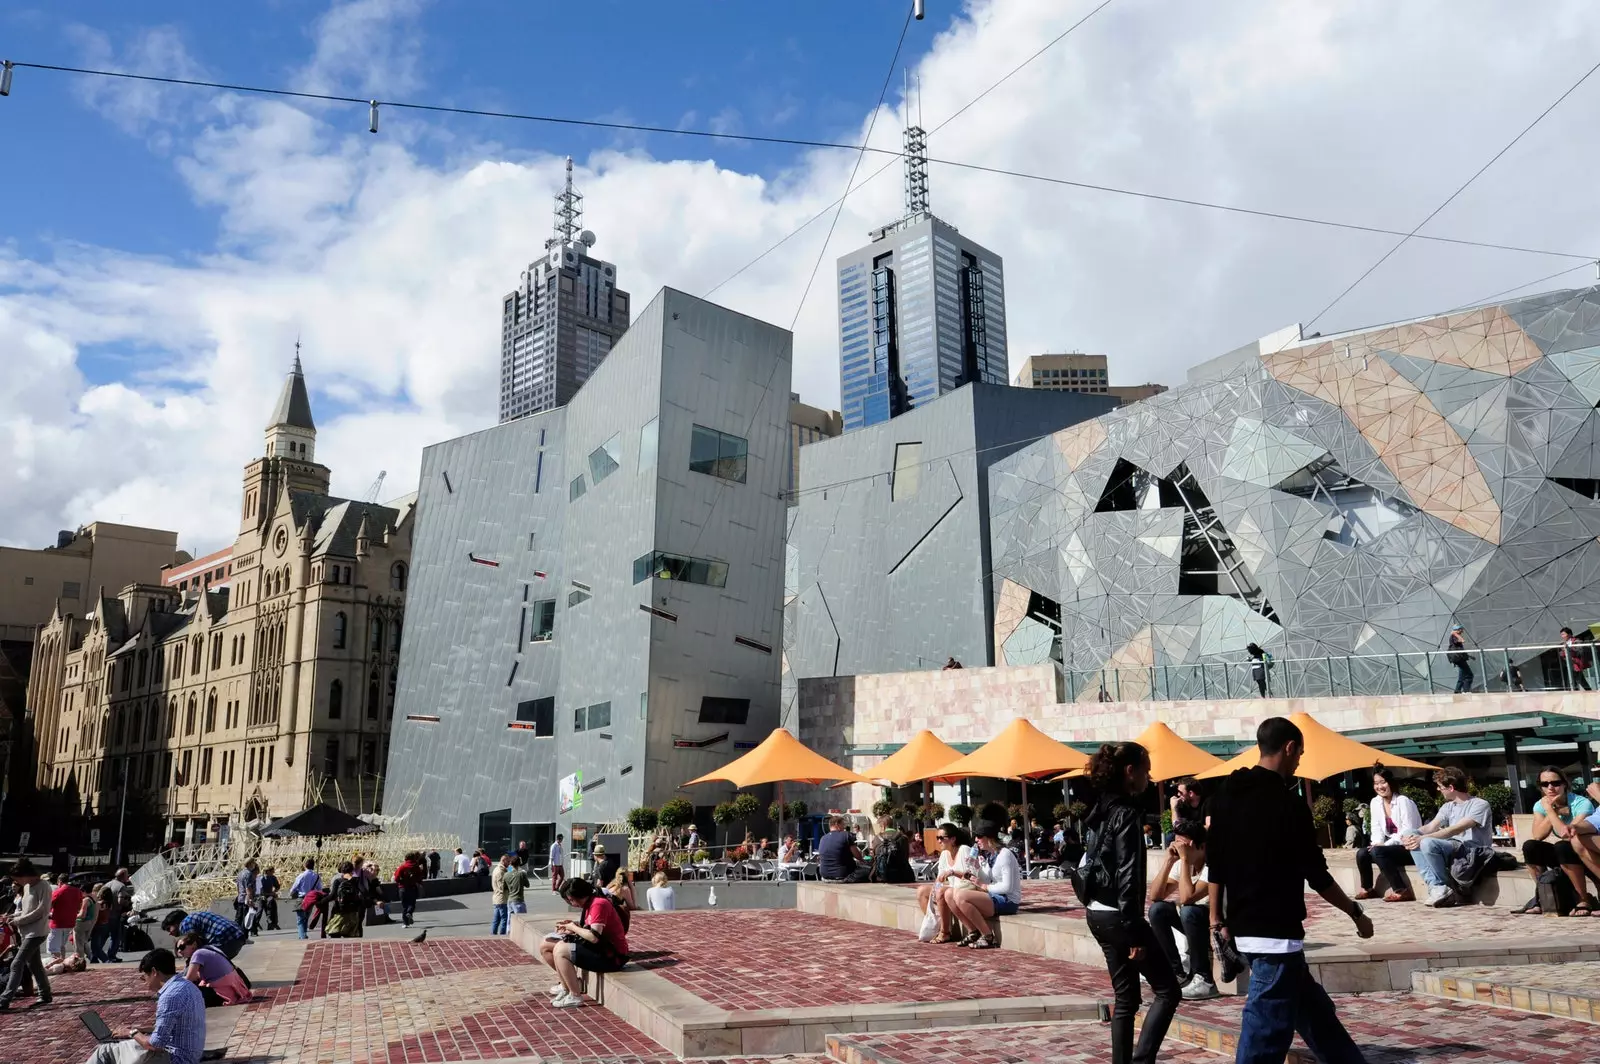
[(1501, 800), (797, 809), (643, 819), (746, 807), (1061, 812), (724, 815), (1426, 798), (675, 813), (883, 807), (1077, 811), (961, 813), (931, 813), (777, 811)]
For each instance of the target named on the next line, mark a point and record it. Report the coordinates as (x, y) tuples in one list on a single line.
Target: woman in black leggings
[(1114, 867)]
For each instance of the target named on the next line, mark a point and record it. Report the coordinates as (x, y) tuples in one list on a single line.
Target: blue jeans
[(519, 907), (1285, 1000), (1433, 860), (301, 918), (500, 923)]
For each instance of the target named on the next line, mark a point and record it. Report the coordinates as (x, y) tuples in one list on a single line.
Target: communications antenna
[(568, 213), (916, 152)]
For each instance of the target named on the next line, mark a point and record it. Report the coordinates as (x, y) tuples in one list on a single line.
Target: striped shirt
[(180, 1027)]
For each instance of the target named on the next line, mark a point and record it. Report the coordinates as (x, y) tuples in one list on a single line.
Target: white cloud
[(390, 268)]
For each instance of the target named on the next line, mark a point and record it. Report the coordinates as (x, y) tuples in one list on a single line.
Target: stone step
[(1043, 1043), (1562, 990)]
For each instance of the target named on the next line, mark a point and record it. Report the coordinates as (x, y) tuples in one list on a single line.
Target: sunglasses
[(941, 838), (1551, 783)]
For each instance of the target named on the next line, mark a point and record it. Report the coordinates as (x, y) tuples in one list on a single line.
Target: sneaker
[(568, 1001), (1437, 895), (1199, 989), (556, 991)]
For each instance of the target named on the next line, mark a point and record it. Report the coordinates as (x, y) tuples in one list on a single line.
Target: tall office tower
[(922, 309), (563, 318)]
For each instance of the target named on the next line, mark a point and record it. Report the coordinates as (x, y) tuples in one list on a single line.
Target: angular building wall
[(887, 548), (1355, 494), (595, 508)]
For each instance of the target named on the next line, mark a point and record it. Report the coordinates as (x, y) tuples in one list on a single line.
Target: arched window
[(372, 697), (394, 637), (397, 576), (144, 663), (340, 622), (336, 698), (136, 726), (172, 719), (388, 702), (377, 635), (189, 717), (211, 711)]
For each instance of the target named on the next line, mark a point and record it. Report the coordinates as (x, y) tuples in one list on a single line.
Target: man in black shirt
[(1262, 852), (838, 858)]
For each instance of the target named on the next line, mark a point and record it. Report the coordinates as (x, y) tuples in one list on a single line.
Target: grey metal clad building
[(598, 589), (887, 559), (562, 319), (922, 310)]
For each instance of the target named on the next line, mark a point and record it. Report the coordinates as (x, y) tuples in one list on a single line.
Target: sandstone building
[(245, 701)]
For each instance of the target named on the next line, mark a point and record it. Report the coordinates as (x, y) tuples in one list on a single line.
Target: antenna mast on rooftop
[(569, 213), (916, 155)]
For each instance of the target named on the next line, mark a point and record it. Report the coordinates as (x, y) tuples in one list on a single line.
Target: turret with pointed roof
[(291, 452), (291, 433)]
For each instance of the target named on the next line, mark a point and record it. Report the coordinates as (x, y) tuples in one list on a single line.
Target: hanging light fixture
[(5, 78), (916, 9), (372, 117)]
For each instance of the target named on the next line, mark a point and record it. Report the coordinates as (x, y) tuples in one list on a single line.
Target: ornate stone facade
[(246, 701)]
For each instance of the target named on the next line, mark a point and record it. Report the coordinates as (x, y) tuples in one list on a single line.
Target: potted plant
[(746, 807), (961, 813), (674, 814), (643, 820)]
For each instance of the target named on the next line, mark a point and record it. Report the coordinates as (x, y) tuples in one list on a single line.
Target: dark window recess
[(589, 785), (513, 675), (724, 710), (544, 621), (580, 718), (446, 475), (538, 474), (664, 566), (576, 489), (698, 744), (539, 712), (600, 715), (1589, 489), (663, 614), (522, 626), (625, 770), (579, 593), (422, 718), (752, 644), (718, 454)]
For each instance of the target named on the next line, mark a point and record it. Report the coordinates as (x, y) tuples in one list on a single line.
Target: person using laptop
[(179, 1033)]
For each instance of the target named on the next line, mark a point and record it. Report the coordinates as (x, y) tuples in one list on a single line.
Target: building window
[(196, 651), (189, 717), (172, 719), (388, 701), (336, 700), (576, 489), (541, 713), (205, 765), (907, 471), (544, 621), (144, 662), (724, 710), (330, 758), (211, 712), (369, 756), (372, 697), (377, 636), (600, 715), (580, 593), (580, 718), (664, 566), (70, 589), (340, 622), (394, 637), (397, 576), (649, 441), (718, 454), (605, 459)]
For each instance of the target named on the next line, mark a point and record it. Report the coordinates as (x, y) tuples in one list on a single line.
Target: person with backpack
[(1457, 656), (891, 858), (347, 903), (1564, 815), (1577, 659), (408, 877), (1260, 663), (1111, 882)]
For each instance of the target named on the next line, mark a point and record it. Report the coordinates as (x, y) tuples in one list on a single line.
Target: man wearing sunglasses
[(1564, 817)]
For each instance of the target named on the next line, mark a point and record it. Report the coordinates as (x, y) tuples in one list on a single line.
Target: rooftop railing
[(1486, 669)]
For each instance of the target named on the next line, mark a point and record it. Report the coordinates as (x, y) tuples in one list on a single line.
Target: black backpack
[(1555, 892)]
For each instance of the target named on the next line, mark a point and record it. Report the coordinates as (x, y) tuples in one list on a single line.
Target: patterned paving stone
[(51, 1034), (775, 959), (1570, 990), (1049, 1043)]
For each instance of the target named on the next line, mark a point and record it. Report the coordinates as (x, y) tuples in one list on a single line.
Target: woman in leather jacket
[(1114, 843)]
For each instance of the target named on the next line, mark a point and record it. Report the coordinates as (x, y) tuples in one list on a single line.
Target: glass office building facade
[(921, 313)]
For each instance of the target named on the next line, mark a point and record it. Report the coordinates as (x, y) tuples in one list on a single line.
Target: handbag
[(1089, 876), (1555, 892), (930, 923)]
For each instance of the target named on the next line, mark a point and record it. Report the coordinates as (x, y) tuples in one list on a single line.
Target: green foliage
[(701, 855), (724, 814), (1323, 810), (1354, 807), (643, 819), (1166, 821), (883, 807), (1017, 811), (1078, 810), (932, 813), (1501, 800), (797, 809), (1061, 813), (1427, 800), (961, 813), (746, 807), (675, 813), (777, 811)]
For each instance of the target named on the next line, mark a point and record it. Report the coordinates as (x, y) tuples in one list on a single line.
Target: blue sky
[(162, 249)]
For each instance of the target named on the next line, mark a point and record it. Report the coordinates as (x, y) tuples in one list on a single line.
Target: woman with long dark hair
[(1115, 881)]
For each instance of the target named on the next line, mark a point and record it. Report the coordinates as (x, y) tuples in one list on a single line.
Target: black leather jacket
[(1122, 856)]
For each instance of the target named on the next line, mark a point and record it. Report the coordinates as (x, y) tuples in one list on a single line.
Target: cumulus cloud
[(389, 264)]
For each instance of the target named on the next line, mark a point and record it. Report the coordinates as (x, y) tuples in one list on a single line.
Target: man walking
[(1577, 661), (121, 887), (558, 865), (31, 921), (245, 899), (1458, 657), (409, 877), (433, 864), (1262, 851)]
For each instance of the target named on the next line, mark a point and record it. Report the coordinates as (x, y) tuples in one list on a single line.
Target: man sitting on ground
[(1566, 816), (839, 858), (179, 1033), (220, 933), (1462, 820), (1183, 874)]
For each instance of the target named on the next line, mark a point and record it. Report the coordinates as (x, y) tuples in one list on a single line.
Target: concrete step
[(1570, 991)]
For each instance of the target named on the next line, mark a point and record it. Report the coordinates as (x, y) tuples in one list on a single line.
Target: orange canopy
[(920, 759), (1327, 754), (780, 757), (1171, 756), (1021, 751)]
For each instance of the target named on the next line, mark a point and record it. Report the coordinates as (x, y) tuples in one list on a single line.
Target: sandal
[(1364, 894), (940, 939), (971, 940), (1582, 909), (986, 942), (1531, 907), (1400, 895)]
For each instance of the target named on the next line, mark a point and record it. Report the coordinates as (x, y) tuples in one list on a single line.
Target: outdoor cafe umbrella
[(1020, 752), (779, 759), (1327, 754), (925, 753), (1171, 755)]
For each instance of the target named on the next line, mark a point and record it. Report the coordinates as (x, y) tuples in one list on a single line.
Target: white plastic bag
[(930, 925)]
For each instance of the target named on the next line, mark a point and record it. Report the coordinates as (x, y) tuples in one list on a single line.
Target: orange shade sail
[(1020, 752), (1327, 754), (1171, 755), (920, 759), (780, 758)]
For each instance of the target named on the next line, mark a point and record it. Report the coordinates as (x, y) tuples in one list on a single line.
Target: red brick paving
[(51, 1034), (332, 967), (779, 958), (1053, 1043)]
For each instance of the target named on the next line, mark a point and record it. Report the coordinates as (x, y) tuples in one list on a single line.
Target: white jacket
[(1407, 821)]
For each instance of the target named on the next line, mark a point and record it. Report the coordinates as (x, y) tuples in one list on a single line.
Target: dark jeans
[(1579, 680), (1194, 921), (1115, 942), (1463, 678), (1391, 861), (408, 904), (269, 913), (27, 962), (119, 922), (1548, 854), (1284, 1000), (99, 938), (1260, 677), (239, 910), (860, 875)]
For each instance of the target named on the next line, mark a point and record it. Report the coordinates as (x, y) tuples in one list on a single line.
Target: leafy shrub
[(797, 809), (675, 813), (961, 813), (883, 807), (643, 819), (1501, 800)]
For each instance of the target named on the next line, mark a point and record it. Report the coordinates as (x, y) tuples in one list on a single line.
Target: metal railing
[(1491, 669)]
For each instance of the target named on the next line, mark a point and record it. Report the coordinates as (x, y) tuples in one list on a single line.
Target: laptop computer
[(97, 1027)]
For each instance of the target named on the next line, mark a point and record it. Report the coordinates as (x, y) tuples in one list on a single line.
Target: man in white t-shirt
[(1461, 820), (1178, 906), (463, 863)]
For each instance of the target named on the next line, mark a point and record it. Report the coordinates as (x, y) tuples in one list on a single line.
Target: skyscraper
[(562, 319), (922, 309)]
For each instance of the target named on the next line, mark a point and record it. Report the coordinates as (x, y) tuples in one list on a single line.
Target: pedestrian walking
[(558, 865), (1260, 663), (1457, 656), (1263, 852), (408, 877), (30, 921), (307, 888), (267, 887), (1577, 660), (245, 896), (121, 887), (433, 864)]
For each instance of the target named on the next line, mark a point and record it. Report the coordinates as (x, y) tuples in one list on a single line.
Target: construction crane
[(377, 486)]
